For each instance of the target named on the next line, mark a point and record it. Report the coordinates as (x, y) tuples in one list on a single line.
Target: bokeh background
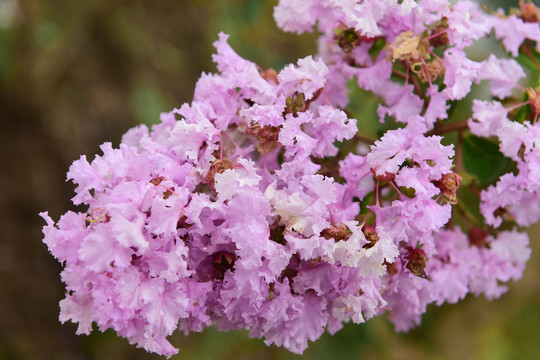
[(74, 74)]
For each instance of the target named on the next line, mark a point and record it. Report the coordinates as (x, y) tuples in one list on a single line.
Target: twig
[(459, 152), (364, 139), (445, 128), (418, 87), (401, 74)]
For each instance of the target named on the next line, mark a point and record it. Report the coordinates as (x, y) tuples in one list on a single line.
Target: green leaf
[(368, 199), (469, 203), (526, 62), (376, 48), (530, 62), (483, 159), (363, 106), (524, 112)]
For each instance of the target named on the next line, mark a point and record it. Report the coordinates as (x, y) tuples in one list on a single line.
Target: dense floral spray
[(262, 206)]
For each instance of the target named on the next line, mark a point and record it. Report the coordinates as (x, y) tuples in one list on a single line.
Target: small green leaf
[(467, 179), (469, 203), (530, 62), (526, 62), (376, 48), (363, 104), (368, 199), (483, 159), (524, 112)]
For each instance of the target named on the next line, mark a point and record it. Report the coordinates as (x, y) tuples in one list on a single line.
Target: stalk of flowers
[(199, 222), (256, 206), (412, 56)]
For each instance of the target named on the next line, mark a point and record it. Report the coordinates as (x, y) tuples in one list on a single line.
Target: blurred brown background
[(74, 74)]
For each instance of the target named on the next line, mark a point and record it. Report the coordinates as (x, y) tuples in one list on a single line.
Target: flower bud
[(449, 185), (431, 71), (371, 236), (529, 12), (409, 48), (217, 167), (384, 177), (338, 233), (478, 237), (391, 268), (417, 261), (267, 136), (439, 30), (270, 75), (534, 100), (347, 39)]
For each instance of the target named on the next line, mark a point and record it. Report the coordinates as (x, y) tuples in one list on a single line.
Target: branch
[(459, 153), (364, 139), (445, 128)]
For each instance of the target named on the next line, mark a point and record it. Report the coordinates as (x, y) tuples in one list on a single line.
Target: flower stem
[(526, 48), (435, 35)]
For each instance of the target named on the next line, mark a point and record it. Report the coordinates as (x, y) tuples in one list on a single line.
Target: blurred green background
[(74, 74)]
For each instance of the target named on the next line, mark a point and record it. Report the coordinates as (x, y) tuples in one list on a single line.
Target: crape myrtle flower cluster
[(260, 206)]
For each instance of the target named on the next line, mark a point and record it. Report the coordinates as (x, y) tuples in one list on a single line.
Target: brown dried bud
[(182, 223), (384, 177), (217, 167), (440, 36), (503, 213), (529, 12), (267, 136), (167, 194), (270, 75), (417, 261), (449, 185), (409, 48), (371, 236), (157, 180), (478, 237), (391, 268), (431, 71), (338, 233)]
